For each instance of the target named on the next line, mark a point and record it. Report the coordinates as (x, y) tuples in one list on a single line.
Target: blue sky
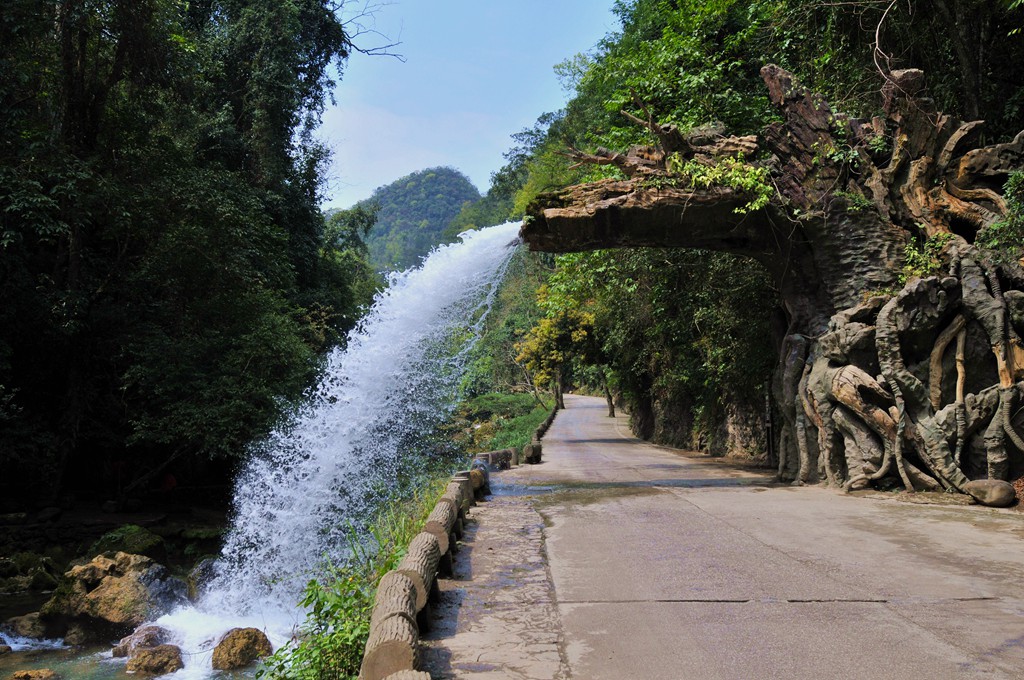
[(475, 72)]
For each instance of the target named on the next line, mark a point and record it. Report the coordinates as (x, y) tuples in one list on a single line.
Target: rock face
[(133, 539), (29, 626), (113, 593), (27, 571), (158, 660), (200, 577), (240, 647), (916, 379), (993, 492)]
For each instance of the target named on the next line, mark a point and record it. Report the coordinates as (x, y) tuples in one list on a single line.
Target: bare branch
[(359, 23)]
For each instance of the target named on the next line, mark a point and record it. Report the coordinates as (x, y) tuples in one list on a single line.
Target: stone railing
[(532, 451), (401, 607)]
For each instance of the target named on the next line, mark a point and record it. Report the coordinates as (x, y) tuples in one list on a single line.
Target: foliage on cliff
[(886, 238), (689, 333), (413, 212), (167, 278)]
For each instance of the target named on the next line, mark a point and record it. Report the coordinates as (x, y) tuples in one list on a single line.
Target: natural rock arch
[(917, 383)]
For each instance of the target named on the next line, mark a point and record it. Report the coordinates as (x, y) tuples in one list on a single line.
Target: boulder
[(29, 625), (7, 567), (48, 514), (27, 571), (992, 492), (240, 647), (40, 674), (117, 593), (42, 580), (14, 584), (77, 634), (13, 518), (145, 637), (158, 660), (5, 649), (200, 576)]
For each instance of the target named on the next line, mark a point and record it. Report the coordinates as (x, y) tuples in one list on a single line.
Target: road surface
[(618, 559)]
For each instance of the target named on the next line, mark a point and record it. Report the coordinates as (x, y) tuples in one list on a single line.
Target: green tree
[(561, 336), (167, 277)]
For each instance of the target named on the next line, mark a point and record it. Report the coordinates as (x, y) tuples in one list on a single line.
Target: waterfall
[(394, 382)]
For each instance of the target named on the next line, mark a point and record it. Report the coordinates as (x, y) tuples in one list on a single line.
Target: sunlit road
[(667, 566)]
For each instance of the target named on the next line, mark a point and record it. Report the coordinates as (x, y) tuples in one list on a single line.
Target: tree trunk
[(608, 398)]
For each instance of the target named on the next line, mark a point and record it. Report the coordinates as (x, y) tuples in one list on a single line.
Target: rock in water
[(158, 660), (77, 634), (992, 492), (4, 649), (200, 577), (119, 592), (28, 626), (240, 647), (143, 638), (41, 674)]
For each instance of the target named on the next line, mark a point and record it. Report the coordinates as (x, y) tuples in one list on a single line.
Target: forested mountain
[(690, 339), (412, 215), (167, 282)]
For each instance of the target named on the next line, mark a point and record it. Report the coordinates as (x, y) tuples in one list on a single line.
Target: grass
[(516, 431), (497, 420)]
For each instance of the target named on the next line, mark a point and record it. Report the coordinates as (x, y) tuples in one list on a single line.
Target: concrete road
[(677, 567)]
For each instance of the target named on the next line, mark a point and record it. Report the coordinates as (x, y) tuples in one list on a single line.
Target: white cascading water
[(395, 381)]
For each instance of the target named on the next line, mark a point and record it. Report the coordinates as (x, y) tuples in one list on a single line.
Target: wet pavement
[(617, 559)]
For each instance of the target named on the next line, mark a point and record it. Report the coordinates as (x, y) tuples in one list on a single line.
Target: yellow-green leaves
[(734, 173)]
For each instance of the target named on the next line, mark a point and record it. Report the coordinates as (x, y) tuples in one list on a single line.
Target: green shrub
[(517, 431), (1005, 239), (339, 603)]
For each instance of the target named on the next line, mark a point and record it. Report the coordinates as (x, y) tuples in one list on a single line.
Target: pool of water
[(88, 663), (95, 662)]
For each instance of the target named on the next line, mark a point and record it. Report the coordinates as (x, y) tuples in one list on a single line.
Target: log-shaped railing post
[(392, 647)]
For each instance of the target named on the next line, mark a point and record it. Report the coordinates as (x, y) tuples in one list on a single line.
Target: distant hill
[(414, 212)]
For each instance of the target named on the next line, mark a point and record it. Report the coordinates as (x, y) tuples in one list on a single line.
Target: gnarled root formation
[(893, 397)]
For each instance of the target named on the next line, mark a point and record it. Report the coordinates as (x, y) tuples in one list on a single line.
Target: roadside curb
[(401, 607)]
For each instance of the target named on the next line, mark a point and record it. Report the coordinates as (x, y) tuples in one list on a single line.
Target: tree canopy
[(167, 278), (693, 335)]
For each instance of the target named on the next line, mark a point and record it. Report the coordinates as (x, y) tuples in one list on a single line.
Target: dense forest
[(167, 280), (689, 339), (413, 213)]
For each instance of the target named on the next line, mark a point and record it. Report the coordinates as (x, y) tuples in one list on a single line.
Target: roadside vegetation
[(688, 340), (339, 602)]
